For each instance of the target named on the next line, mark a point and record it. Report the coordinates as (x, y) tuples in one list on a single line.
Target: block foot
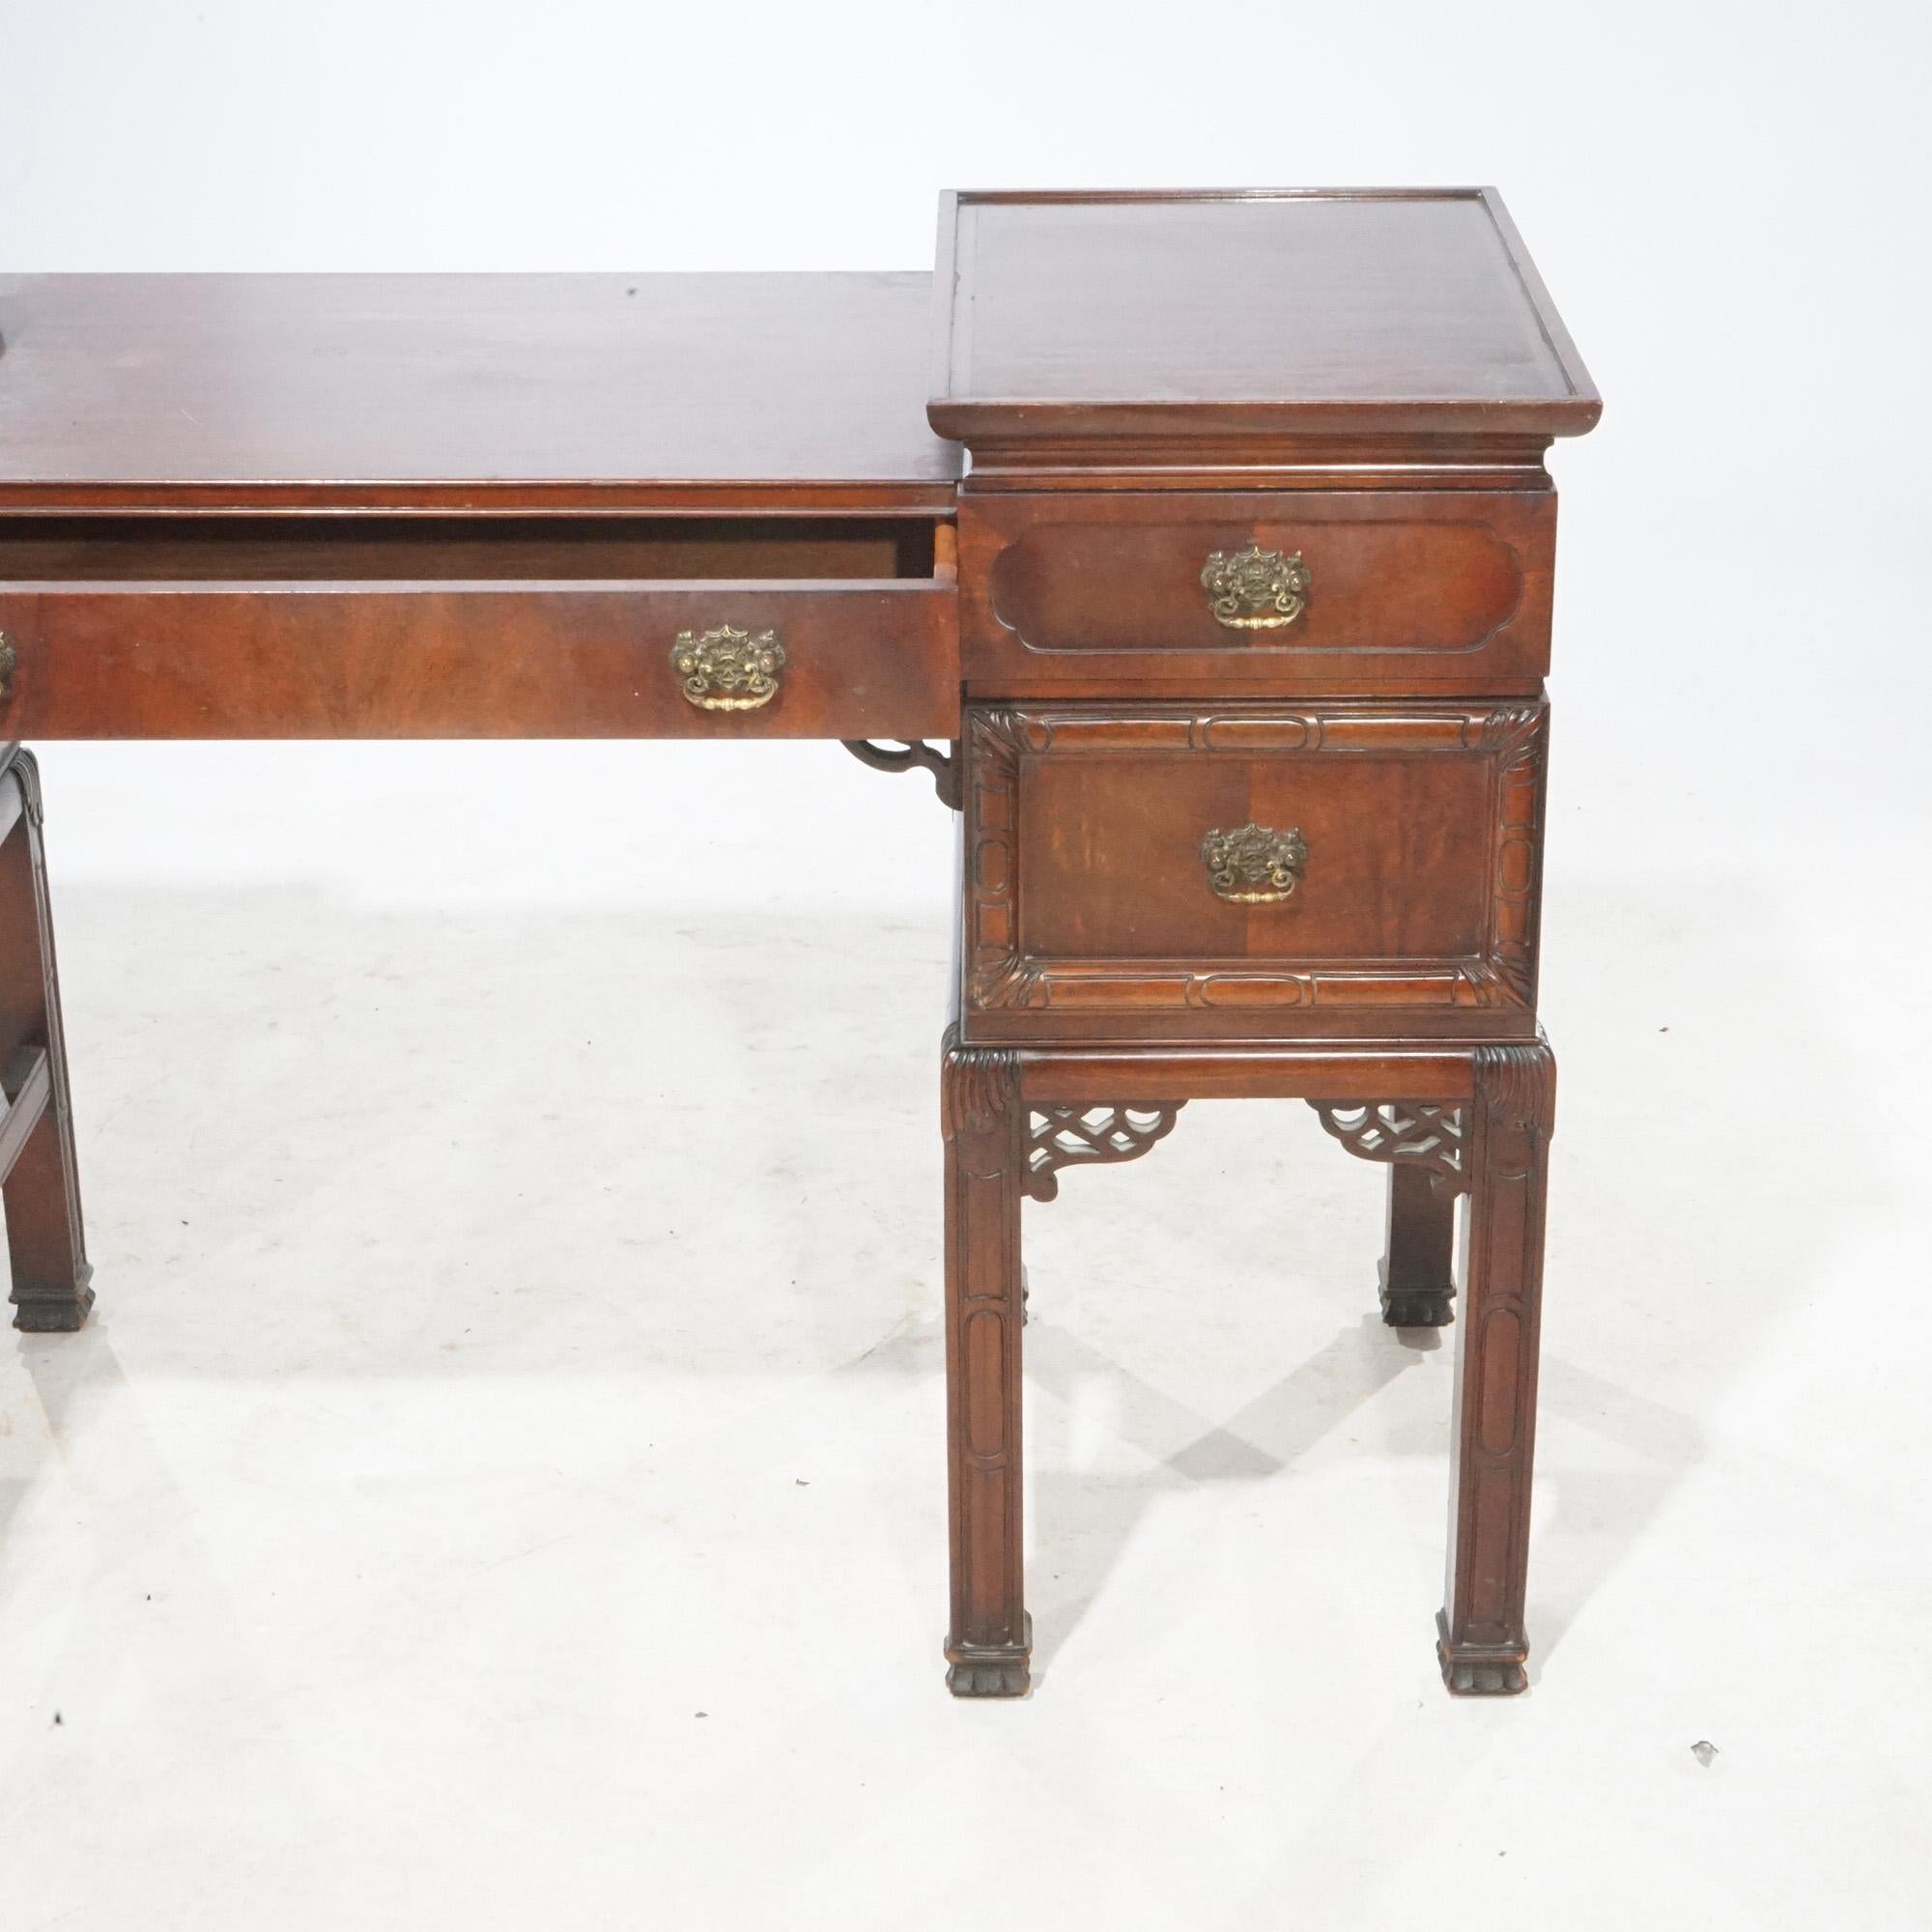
[(54, 1314)]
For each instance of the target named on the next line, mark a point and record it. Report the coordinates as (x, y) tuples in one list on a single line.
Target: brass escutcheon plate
[(1254, 864), (1254, 589), (728, 670)]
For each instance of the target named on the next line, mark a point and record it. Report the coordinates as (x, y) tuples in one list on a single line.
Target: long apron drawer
[(109, 655)]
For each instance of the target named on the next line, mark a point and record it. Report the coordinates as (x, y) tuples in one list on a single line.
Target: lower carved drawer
[(1252, 872)]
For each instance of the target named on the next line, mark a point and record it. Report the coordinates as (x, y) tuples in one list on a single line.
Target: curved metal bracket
[(913, 755)]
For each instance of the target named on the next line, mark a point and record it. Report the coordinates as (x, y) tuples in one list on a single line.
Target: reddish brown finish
[(46, 1246), (471, 392), (1418, 1275), (1506, 1093), (1369, 380), (1064, 595), (982, 1121), (1202, 1071), (485, 505), (1243, 324), (1087, 907), (476, 659), (1482, 1640)]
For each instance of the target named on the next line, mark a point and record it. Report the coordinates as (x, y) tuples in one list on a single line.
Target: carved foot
[(974, 1671), (1416, 1307), (987, 1680), (1470, 1672), (54, 1314)]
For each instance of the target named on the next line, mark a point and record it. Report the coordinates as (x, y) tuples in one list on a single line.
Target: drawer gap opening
[(389, 549)]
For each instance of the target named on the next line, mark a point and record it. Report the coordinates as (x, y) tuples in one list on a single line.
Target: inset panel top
[(1320, 311)]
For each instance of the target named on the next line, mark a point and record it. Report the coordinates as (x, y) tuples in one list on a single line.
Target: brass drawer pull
[(1254, 589), (10, 663), (1256, 864), (729, 671)]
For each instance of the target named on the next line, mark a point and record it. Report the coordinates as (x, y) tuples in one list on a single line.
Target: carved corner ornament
[(979, 1093), (1515, 1083), (978, 1086)]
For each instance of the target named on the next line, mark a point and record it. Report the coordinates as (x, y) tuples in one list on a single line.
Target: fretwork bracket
[(1418, 1133), (1090, 1136)]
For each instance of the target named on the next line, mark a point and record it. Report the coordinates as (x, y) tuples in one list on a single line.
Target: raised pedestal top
[(1170, 319)]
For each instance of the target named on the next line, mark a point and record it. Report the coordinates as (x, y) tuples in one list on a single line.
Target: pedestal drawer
[(1291, 590), (1253, 872), (485, 633)]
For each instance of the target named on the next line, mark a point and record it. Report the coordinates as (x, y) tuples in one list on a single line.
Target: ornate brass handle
[(10, 662), (1254, 589), (1254, 864), (727, 670)]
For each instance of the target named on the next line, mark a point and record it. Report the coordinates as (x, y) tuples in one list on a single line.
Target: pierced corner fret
[(1420, 1133), (1060, 1137)]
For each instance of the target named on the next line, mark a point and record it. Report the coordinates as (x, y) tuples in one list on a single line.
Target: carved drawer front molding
[(1414, 832)]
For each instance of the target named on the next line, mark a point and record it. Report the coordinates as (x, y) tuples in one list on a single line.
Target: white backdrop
[(1723, 199), (1727, 203)]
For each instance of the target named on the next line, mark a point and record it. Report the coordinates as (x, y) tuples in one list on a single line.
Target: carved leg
[(1418, 1281), (1479, 1633), (36, 1160), (984, 1124)]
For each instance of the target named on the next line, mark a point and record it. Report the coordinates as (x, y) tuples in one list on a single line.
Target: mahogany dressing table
[(1228, 647)]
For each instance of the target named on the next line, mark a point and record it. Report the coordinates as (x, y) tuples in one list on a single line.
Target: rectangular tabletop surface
[(1358, 311), (672, 391)]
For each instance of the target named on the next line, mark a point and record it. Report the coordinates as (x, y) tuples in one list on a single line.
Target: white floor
[(502, 1483)]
